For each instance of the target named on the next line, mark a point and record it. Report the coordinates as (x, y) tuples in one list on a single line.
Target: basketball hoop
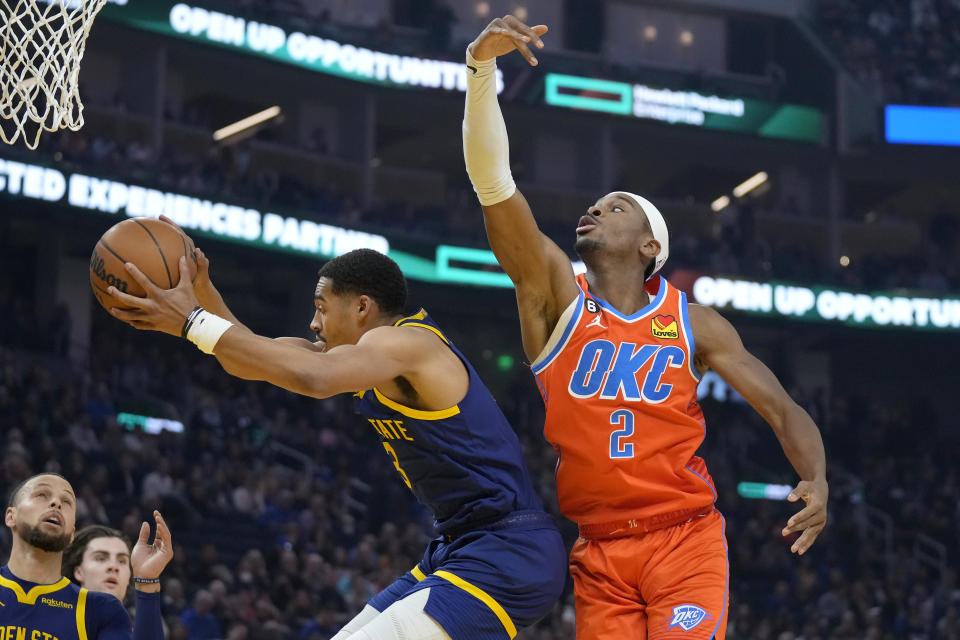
[(41, 45)]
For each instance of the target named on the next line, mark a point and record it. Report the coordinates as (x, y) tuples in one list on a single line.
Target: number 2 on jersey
[(396, 463), (619, 448)]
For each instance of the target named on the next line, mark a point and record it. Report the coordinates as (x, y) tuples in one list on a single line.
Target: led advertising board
[(938, 126), (737, 115), (304, 50)]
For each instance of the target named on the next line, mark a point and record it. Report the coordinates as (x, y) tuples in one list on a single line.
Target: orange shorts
[(665, 584)]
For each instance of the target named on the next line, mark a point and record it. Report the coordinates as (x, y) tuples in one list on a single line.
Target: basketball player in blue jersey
[(36, 601), (498, 564)]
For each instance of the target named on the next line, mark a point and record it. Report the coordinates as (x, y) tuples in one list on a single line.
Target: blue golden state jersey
[(59, 611), (463, 463)]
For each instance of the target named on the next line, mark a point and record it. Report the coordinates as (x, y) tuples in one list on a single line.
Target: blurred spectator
[(199, 620), (906, 51)]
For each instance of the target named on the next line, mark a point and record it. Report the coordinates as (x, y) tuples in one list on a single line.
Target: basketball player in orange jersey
[(617, 354)]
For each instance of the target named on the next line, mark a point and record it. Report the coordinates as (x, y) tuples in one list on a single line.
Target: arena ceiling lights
[(247, 126), (753, 182), (750, 184)]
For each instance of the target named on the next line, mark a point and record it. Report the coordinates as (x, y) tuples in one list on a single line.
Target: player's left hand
[(149, 560), (162, 309), (812, 518)]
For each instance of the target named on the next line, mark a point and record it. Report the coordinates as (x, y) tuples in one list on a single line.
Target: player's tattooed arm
[(718, 347)]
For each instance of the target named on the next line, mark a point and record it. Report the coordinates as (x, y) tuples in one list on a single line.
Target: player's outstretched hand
[(149, 560), (812, 518), (505, 34), (164, 310)]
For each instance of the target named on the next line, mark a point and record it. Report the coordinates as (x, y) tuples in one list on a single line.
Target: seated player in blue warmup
[(499, 562), (100, 559), (36, 601)]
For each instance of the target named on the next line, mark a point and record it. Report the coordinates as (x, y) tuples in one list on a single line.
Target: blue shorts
[(488, 583)]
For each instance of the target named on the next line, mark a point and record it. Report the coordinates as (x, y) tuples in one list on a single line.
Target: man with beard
[(618, 353), (37, 601)]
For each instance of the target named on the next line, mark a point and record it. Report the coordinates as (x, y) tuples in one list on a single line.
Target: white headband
[(657, 225)]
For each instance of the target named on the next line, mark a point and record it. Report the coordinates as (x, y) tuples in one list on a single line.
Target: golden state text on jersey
[(59, 611), (464, 463), (620, 396)]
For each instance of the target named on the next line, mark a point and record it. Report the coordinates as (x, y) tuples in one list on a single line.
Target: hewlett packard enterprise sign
[(738, 115), (292, 47)]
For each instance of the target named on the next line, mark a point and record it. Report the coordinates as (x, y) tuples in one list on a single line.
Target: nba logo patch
[(664, 327), (687, 616)]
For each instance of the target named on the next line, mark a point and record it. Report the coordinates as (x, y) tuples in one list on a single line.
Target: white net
[(41, 45)]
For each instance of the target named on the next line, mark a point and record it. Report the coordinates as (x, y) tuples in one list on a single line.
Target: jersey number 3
[(619, 448), (396, 463)]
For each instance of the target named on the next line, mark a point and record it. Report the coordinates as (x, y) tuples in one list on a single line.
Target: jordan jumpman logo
[(596, 323)]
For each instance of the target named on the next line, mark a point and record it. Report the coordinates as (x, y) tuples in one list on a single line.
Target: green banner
[(827, 304), (289, 46), (737, 115)]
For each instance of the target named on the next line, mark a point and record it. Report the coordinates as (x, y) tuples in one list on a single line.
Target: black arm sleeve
[(149, 624)]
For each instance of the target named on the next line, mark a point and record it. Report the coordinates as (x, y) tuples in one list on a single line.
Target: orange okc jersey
[(622, 413)]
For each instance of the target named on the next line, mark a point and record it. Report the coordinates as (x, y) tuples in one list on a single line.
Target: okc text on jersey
[(614, 371)]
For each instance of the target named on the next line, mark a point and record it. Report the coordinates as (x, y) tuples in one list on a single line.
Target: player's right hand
[(505, 34), (149, 560), (201, 282)]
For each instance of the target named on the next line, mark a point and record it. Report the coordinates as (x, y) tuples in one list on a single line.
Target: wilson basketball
[(154, 246)]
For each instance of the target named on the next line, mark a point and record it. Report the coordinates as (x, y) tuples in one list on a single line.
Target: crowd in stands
[(286, 518), (906, 51), (739, 249)]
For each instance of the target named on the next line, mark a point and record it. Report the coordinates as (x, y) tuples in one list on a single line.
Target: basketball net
[(41, 45)]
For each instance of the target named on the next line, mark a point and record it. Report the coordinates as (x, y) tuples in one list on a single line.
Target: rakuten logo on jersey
[(625, 371)]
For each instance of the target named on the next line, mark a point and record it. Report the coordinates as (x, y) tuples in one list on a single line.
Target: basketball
[(154, 246)]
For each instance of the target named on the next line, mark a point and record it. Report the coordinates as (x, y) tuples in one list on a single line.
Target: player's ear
[(650, 248), (9, 518), (78, 574), (364, 304)]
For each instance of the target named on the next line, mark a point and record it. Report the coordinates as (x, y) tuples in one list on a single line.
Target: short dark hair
[(14, 496), (368, 272), (73, 555)]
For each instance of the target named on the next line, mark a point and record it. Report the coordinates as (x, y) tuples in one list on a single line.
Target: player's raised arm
[(538, 268), (718, 346)]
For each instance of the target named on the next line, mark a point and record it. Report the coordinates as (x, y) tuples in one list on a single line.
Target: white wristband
[(206, 329)]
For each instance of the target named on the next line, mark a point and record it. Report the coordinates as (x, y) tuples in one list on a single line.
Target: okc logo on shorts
[(687, 616)]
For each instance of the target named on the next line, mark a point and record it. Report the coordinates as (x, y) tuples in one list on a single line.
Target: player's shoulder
[(403, 341), (702, 313), (103, 602), (710, 328)]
